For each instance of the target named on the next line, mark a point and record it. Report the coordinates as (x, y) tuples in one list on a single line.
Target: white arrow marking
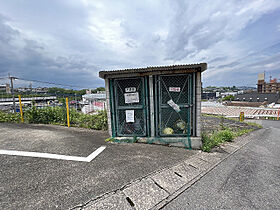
[(53, 156)]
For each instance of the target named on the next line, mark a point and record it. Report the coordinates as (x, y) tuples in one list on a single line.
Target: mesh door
[(175, 105), (130, 107)]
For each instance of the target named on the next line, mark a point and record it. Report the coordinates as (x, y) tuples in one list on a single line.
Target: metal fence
[(175, 108), (131, 107)]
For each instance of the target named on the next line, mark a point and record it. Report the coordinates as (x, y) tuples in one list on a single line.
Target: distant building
[(29, 89), (258, 97), (2, 87), (5, 88), (273, 86), (227, 94), (39, 89), (93, 102), (213, 92), (208, 95), (23, 89)]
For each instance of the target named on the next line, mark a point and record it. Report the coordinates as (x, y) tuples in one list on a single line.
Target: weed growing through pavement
[(210, 141)]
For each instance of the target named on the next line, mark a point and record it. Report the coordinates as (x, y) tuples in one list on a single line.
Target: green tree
[(228, 98)]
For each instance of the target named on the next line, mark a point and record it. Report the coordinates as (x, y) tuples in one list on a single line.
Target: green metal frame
[(146, 108), (192, 114), (156, 81), (194, 104), (112, 107), (191, 119), (190, 105), (134, 107)]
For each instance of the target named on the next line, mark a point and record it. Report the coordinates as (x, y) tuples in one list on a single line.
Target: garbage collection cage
[(155, 104), (130, 106)]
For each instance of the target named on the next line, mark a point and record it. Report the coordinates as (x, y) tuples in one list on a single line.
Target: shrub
[(217, 138), (57, 115), (48, 115), (207, 143), (101, 121), (228, 98), (225, 135), (9, 117)]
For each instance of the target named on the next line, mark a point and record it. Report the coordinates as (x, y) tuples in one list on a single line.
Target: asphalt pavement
[(248, 179), (41, 183)]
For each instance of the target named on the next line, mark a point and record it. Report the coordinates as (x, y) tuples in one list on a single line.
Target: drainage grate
[(177, 174)]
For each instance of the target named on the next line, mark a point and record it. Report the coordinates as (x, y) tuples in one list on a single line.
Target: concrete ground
[(248, 179), (41, 183)]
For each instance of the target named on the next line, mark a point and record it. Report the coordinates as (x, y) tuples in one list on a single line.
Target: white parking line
[(53, 156)]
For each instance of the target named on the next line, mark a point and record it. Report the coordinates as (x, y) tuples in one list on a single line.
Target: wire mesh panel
[(175, 105), (130, 107)]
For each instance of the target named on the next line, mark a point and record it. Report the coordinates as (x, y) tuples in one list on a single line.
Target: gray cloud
[(232, 64), (70, 41), (30, 61), (223, 58)]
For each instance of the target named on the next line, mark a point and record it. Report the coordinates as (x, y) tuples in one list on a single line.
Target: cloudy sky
[(69, 41)]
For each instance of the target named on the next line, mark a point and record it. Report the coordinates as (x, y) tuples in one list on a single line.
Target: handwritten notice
[(173, 105), (129, 115), (130, 98)]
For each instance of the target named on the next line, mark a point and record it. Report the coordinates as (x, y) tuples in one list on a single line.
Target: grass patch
[(210, 141), (216, 138), (254, 124), (211, 115), (110, 139), (271, 118), (242, 132), (233, 119), (221, 117)]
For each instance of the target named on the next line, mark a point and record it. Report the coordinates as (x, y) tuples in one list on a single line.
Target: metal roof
[(258, 97), (94, 96), (151, 69)]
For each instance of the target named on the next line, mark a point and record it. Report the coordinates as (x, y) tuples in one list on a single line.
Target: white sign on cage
[(131, 98), (130, 89), (174, 89), (129, 115)]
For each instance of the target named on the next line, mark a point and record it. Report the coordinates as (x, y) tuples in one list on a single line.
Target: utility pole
[(75, 101), (12, 91)]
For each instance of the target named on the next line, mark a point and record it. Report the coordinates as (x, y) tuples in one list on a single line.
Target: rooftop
[(154, 70)]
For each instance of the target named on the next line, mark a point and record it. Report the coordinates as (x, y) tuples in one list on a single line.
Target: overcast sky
[(70, 41)]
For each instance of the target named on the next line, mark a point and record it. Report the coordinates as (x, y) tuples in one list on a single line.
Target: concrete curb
[(157, 189)]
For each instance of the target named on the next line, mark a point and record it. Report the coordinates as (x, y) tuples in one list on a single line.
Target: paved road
[(37, 183), (249, 179)]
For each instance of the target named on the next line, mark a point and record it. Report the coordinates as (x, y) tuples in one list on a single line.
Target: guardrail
[(29, 99)]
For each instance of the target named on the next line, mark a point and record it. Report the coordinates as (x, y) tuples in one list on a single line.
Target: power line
[(52, 83)]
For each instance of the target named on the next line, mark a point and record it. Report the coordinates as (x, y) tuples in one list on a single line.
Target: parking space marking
[(53, 156)]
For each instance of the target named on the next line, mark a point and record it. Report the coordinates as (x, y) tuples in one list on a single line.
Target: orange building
[(273, 86)]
